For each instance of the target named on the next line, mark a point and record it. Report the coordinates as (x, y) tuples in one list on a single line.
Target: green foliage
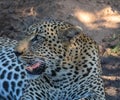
[(116, 49)]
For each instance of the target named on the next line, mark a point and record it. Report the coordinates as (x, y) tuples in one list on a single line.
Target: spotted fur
[(73, 70), (13, 76)]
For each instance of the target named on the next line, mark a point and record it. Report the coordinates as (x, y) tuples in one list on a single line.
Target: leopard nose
[(18, 53)]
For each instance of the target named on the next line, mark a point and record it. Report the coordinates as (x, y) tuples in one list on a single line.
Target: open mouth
[(36, 68)]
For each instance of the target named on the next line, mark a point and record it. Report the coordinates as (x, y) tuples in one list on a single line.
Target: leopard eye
[(32, 30), (38, 38)]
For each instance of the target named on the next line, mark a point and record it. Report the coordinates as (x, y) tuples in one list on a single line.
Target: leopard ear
[(70, 33)]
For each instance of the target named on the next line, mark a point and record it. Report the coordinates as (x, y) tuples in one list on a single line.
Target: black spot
[(2, 57), (87, 73), (9, 67), (16, 76), (76, 72), (22, 75), (2, 54), (88, 55), (69, 73), (34, 84), (47, 32), (8, 97), (36, 31), (83, 93), (22, 67), (55, 27), (50, 41), (74, 62), (43, 94), (45, 26), (64, 67), (31, 93), (53, 73), (85, 61), (13, 65), (11, 56), (11, 93), (66, 85), (83, 71), (52, 29), (48, 81), (60, 56), (51, 25), (89, 69), (53, 39), (55, 45), (17, 92), (76, 57), (49, 44), (31, 89), (38, 95), (76, 79), (17, 69), (6, 63), (76, 68), (20, 83), (93, 59), (13, 85), (19, 62), (58, 42), (49, 36), (58, 69), (9, 76), (38, 87), (91, 63), (93, 52), (3, 74), (35, 88), (5, 85), (71, 67), (59, 46), (85, 66), (83, 57), (85, 50), (102, 92), (13, 60)]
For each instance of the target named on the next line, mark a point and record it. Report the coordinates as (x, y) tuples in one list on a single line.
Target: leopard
[(72, 68), (13, 74)]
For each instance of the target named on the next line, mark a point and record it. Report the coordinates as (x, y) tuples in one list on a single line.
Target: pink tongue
[(34, 66)]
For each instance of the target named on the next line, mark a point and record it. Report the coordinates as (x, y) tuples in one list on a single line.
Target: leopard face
[(59, 44), (70, 56), (46, 42)]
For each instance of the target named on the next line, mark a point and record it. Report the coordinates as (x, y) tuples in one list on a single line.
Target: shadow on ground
[(111, 76)]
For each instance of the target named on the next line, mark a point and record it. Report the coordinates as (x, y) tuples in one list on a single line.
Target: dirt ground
[(98, 18)]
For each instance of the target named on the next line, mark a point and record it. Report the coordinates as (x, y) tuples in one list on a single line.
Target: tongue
[(34, 66)]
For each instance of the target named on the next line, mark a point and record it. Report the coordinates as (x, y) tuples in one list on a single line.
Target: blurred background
[(100, 19)]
